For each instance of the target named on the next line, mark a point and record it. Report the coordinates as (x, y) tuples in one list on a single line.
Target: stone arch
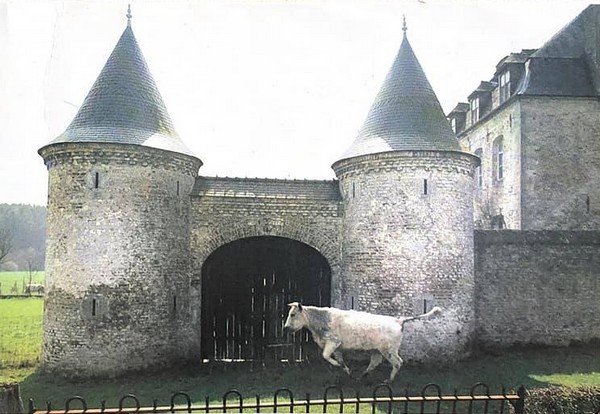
[(327, 244), (311, 236)]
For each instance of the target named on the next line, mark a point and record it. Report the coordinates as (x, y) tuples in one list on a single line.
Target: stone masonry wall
[(496, 196), (117, 270), (220, 218), (537, 287), (407, 244), (561, 163)]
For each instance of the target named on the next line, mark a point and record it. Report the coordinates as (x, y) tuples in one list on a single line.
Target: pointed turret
[(124, 105), (407, 233), (406, 114)]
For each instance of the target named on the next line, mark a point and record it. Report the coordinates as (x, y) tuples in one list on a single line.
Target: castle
[(149, 263)]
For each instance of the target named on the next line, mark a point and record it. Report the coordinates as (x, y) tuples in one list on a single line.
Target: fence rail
[(382, 399)]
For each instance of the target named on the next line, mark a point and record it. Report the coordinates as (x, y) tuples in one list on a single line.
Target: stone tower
[(117, 263), (407, 240)]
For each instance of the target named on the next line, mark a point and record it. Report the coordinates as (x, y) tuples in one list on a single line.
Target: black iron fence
[(382, 399)]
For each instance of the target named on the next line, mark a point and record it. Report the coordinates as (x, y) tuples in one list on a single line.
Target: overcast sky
[(255, 88)]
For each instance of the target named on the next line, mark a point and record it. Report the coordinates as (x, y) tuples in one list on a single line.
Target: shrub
[(563, 400)]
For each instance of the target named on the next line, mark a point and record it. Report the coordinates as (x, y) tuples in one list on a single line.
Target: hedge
[(563, 400)]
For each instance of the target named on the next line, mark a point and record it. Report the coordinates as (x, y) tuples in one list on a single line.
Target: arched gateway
[(246, 285)]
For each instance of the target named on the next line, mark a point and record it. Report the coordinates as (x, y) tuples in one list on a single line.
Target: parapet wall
[(537, 287)]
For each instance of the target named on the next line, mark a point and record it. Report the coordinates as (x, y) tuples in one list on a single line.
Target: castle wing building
[(536, 127)]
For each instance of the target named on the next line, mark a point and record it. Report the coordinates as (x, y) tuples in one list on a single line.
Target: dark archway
[(246, 286)]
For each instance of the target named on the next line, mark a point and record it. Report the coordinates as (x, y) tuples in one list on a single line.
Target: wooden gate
[(246, 286)]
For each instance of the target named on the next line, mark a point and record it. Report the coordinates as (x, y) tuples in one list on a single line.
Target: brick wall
[(537, 287)]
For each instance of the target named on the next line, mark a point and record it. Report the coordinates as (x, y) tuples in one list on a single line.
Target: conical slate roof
[(124, 105), (406, 114)]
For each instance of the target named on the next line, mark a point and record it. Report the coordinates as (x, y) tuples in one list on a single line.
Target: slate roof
[(460, 107), (124, 105), (570, 41), (484, 86), (556, 77), (561, 66), (515, 57), (406, 114), (267, 188)]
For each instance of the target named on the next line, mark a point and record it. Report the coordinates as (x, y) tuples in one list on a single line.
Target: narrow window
[(479, 170), (174, 304), (353, 190), (499, 158), (587, 203), (178, 187), (424, 305), (94, 307), (97, 180), (500, 162), (504, 86), (453, 122), (474, 110), (425, 189)]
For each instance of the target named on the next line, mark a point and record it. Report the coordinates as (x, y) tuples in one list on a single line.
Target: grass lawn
[(20, 332), (532, 368), (20, 344)]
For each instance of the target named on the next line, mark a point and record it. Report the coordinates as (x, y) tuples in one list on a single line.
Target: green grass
[(8, 280), (532, 367), (20, 332)]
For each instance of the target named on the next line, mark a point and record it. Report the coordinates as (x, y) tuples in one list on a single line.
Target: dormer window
[(504, 84), (453, 122), (474, 110)]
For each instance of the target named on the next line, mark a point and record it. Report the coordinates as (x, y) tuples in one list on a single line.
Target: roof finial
[(128, 15), (404, 27)]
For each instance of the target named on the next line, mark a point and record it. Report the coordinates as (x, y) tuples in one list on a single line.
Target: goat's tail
[(435, 310)]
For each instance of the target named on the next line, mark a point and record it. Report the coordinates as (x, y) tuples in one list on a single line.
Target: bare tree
[(30, 258), (6, 243)]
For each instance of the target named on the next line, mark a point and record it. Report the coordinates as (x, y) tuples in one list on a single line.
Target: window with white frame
[(474, 110), (504, 82), (499, 158)]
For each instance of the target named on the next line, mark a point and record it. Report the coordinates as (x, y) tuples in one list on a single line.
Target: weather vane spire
[(404, 27), (128, 15)]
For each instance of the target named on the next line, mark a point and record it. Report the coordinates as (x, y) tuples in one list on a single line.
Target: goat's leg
[(395, 360), (328, 350), (376, 359), (339, 358)]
